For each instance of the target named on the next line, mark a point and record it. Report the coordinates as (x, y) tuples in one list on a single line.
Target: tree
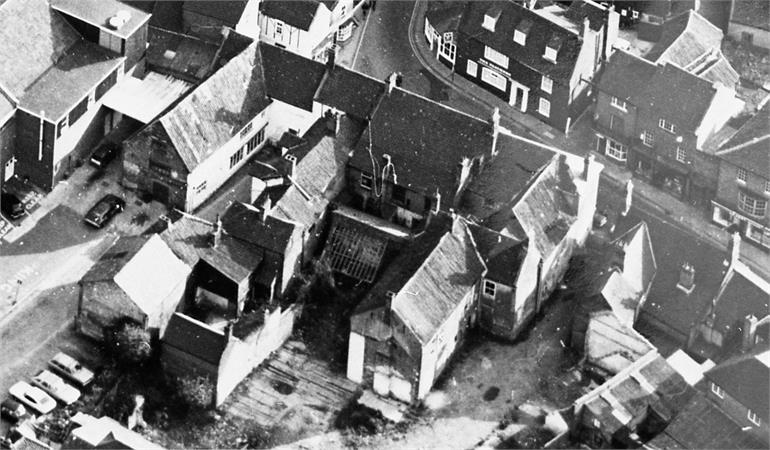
[(196, 391), (130, 343)]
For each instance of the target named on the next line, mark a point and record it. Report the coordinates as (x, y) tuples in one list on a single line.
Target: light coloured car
[(70, 368), (56, 387), (33, 397)]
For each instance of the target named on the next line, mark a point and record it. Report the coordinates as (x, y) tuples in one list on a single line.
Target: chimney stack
[(292, 167), (331, 56), (217, 231), (495, 128), (392, 81), (749, 332), (588, 161), (686, 282), (586, 26), (735, 248)]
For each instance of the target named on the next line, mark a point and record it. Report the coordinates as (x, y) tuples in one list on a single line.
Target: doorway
[(160, 192), (10, 168)]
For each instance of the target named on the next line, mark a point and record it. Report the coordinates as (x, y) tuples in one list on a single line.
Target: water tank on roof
[(119, 19)]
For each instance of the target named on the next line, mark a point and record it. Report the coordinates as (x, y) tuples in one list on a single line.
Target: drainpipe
[(40, 140)]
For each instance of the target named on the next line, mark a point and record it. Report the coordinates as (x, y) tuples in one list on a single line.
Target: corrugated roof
[(679, 97), (749, 148), (438, 286), (99, 12), (684, 38), (228, 12), (351, 92), (218, 108), (32, 39), (145, 99), (289, 77), (195, 338), (297, 13), (626, 76), (746, 378)]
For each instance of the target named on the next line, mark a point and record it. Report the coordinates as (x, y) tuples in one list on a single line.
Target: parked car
[(104, 154), (11, 206), (12, 410), (56, 387), (33, 397), (104, 210), (70, 368)]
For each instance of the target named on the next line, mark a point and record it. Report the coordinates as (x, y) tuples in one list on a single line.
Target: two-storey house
[(541, 60), (743, 189)]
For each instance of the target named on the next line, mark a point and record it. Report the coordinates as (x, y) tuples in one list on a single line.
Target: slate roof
[(351, 92), (701, 424), (217, 109), (611, 345), (746, 378), (444, 15), (742, 293), (245, 223), (180, 53), (98, 12), (679, 97), (684, 38), (289, 77), (228, 12), (110, 263), (433, 292), (426, 141), (69, 81), (754, 13), (626, 76), (594, 12), (541, 32), (195, 338), (32, 38), (502, 254), (297, 13), (749, 148), (192, 241)]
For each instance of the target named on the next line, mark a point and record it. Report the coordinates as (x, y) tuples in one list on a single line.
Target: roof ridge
[(449, 108), (743, 144), (744, 270)]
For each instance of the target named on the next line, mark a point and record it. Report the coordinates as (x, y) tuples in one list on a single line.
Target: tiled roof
[(582, 9), (444, 279), (754, 13), (289, 77), (541, 32), (684, 38), (79, 70), (245, 223), (502, 254), (298, 13), (195, 338), (426, 141), (444, 15), (626, 76), (351, 92), (98, 12), (217, 109), (679, 97), (612, 346), (228, 12), (746, 378), (749, 148), (743, 292), (32, 38)]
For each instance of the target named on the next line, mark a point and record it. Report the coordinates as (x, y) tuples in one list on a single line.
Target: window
[(750, 205), (496, 57), (546, 84), (278, 29), (666, 125), (106, 84), (61, 126), (743, 176), (717, 390), (399, 194), (366, 181), (255, 140), (618, 103), (201, 187), (681, 154), (616, 123), (519, 37), (544, 107), (489, 23), (245, 131), (236, 157), (489, 288), (78, 111), (616, 150), (767, 186), (448, 50), (550, 54), (493, 78), (648, 138), (753, 418), (472, 68)]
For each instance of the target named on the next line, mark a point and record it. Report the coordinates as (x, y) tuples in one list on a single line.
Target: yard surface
[(753, 65)]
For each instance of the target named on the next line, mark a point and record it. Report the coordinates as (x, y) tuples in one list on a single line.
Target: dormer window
[(552, 48), (489, 23), (521, 31)]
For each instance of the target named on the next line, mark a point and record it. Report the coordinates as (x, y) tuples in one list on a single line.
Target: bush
[(196, 391), (130, 344)]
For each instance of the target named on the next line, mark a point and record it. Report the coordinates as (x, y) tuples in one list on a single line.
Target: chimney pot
[(749, 332), (217, 231), (392, 82), (686, 278), (586, 26), (735, 248)]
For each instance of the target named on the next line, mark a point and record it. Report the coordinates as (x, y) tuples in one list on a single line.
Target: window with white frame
[(743, 175), (366, 181), (550, 54), (616, 150), (449, 50), (496, 57), (544, 107), (520, 37), (753, 418), (490, 288), (278, 29), (493, 78), (717, 390), (648, 138), (618, 103), (616, 123), (236, 157), (546, 84), (472, 68), (246, 130), (750, 205), (255, 140), (767, 186), (666, 125), (489, 23), (201, 187), (681, 154)]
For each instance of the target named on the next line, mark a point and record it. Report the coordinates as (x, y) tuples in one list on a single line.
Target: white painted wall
[(282, 116), (356, 346), (248, 25), (301, 42), (723, 106)]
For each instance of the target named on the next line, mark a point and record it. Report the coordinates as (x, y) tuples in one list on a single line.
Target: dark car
[(11, 206), (104, 210), (13, 410), (104, 154)]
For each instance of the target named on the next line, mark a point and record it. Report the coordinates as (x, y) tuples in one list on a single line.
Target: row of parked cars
[(46, 388)]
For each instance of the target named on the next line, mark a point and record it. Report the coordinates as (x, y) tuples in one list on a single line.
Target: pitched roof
[(298, 13), (228, 12), (195, 338), (425, 140), (192, 241), (751, 12), (6, 105), (747, 379), (444, 279), (544, 26), (351, 92), (32, 39), (714, 67), (626, 76), (587, 9), (684, 38), (218, 108), (99, 12), (180, 54), (639, 266), (289, 77), (743, 292), (749, 148), (444, 15), (502, 254), (246, 223), (110, 263), (611, 345), (679, 96)]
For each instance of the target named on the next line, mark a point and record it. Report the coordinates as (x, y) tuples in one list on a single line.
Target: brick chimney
[(735, 248), (586, 28), (217, 232), (686, 282), (749, 332), (394, 80)]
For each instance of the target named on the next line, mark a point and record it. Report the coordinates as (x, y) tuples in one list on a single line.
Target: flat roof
[(144, 99), (99, 12)]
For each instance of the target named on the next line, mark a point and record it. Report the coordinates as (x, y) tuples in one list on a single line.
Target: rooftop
[(352, 92), (746, 378), (679, 96), (749, 148), (99, 12), (228, 12), (611, 345), (289, 77), (298, 13), (250, 225), (626, 76), (742, 293), (684, 38), (195, 338)]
